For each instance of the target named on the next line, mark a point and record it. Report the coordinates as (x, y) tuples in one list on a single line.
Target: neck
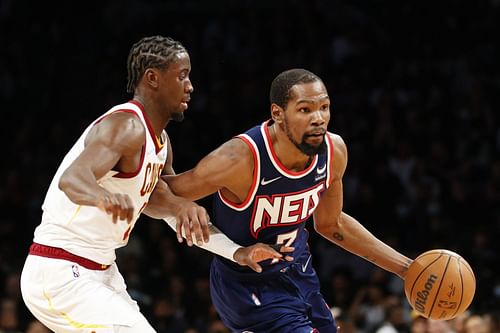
[(155, 118)]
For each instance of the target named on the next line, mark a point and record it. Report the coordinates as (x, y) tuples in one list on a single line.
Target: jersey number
[(285, 239)]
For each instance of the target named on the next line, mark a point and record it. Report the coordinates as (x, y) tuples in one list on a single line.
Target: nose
[(189, 86), (318, 118)]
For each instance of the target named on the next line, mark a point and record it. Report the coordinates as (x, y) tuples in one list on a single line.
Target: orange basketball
[(440, 284)]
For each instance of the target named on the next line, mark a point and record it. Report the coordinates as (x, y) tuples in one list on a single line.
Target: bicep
[(225, 167), (331, 203), (168, 168)]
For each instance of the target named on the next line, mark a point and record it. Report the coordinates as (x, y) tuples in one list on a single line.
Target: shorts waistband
[(58, 253)]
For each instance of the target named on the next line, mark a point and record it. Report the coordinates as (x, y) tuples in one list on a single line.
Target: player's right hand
[(118, 205), (251, 255), (192, 222)]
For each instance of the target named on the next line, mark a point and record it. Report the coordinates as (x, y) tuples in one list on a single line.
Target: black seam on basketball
[(462, 292), (466, 265), (422, 272), (440, 284)]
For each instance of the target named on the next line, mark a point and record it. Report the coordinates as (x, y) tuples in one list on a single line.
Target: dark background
[(415, 89)]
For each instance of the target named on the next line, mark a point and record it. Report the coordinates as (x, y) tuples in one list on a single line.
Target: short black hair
[(281, 85), (150, 52)]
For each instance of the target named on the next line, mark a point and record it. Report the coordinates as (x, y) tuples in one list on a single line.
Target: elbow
[(327, 226), (321, 228)]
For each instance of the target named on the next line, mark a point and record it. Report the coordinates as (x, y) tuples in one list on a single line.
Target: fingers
[(195, 221), (178, 230), (196, 229), (204, 226), (119, 206), (255, 266), (251, 255), (286, 249), (187, 230)]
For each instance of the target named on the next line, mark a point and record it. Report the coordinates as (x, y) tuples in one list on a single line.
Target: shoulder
[(235, 150), (339, 159), (118, 127)]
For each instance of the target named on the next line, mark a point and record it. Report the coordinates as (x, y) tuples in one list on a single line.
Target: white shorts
[(67, 297)]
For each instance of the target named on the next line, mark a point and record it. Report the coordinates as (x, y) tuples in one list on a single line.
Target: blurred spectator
[(394, 320), (439, 326), (476, 324)]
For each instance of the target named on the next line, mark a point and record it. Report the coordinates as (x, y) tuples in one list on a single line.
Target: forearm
[(162, 202), (349, 234), (218, 243), (81, 187)]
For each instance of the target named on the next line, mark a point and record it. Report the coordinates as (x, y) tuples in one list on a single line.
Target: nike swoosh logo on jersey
[(265, 182), (321, 170), (304, 266)]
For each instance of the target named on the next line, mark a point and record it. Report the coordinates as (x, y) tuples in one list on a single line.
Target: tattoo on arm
[(338, 236)]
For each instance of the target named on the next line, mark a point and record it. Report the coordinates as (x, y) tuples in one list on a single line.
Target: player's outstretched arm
[(188, 215), (228, 168), (110, 144), (338, 227), (249, 256)]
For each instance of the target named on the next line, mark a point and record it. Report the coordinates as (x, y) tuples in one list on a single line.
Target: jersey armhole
[(331, 150), (120, 174), (256, 176)]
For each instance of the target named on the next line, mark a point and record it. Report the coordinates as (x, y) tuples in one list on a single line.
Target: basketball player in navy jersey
[(267, 183)]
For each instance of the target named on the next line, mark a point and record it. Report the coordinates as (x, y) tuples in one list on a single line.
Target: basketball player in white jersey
[(70, 281)]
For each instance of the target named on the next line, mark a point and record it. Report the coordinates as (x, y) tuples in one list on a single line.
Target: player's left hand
[(251, 255)]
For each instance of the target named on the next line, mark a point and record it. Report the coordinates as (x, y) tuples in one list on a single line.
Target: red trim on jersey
[(148, 125), (330, 160), (58, 253), (254, 182), (275, 158), (109, 114), (143, 151), (136, 172)]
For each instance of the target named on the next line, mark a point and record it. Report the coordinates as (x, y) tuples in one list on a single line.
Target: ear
[(276, 113), (151, 78)]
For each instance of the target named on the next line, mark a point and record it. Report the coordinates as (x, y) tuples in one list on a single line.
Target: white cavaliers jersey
[(88, 231)]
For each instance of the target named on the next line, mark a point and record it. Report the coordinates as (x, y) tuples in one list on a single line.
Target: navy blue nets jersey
[(279, 202)]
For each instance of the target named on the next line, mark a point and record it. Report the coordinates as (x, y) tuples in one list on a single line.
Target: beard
[(177, 116), (306, 148)]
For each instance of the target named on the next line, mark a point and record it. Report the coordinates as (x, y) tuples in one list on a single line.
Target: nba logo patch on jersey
[(256, 300), (76, 272)]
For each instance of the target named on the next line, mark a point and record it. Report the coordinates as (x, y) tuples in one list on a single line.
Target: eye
[(304, 110), (325, 107)]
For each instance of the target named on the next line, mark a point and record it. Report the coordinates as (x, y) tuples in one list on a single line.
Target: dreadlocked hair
[(283, 83), (150, 52)]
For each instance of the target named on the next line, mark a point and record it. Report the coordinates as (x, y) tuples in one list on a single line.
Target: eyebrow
[(312, 101)]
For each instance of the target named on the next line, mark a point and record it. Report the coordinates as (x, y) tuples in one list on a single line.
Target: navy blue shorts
[(281, 302)]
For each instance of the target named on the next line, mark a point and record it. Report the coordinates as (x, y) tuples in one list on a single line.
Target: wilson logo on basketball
[(422, 295)]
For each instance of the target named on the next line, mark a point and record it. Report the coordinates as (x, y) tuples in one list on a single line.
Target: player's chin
[(177, 116)]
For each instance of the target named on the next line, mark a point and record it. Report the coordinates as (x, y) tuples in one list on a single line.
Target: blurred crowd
[(415, 90)]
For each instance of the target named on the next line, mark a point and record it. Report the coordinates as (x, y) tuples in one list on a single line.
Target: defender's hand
[(118, 205), (193, 219), (251, 255)]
